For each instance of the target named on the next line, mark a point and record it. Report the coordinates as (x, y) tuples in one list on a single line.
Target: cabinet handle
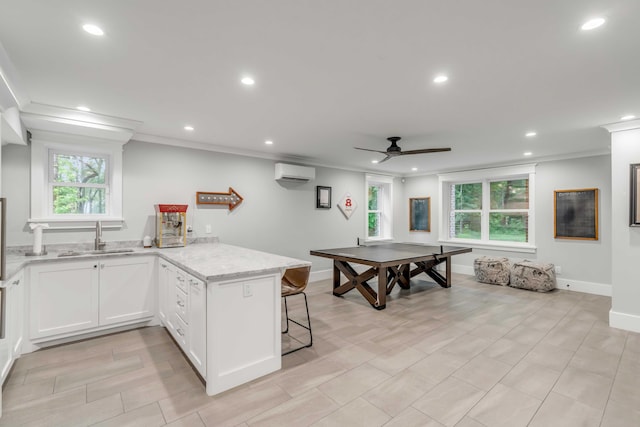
[(164, 265), (16, 282), (180, 332), (181, 279), (95, 266), (180, 303)]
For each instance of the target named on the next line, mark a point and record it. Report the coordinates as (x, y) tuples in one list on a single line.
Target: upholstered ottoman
[(533, 276), (494, 271)]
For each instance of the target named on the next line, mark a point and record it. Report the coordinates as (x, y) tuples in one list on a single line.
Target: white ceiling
[(334, 74)]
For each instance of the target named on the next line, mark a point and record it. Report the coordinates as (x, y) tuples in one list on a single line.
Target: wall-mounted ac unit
[(287, 172)]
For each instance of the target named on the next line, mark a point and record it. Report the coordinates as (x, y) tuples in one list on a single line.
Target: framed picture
[(576, 214), (420, 214), (634, 203), (323, 197)]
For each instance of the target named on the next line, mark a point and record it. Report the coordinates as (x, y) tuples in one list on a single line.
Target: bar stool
[(294, 282)]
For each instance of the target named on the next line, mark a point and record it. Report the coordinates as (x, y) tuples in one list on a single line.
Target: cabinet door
[(197, 339), (166, 279), (15, 314), (126, 289), (63, 297)]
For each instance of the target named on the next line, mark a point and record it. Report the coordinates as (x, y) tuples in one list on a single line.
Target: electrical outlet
[(558, 269), (189, 228), (247, 290), (207, 228)]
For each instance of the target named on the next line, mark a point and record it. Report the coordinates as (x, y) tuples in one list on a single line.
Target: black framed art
[(323, 197), (634, 202), (420, 214)]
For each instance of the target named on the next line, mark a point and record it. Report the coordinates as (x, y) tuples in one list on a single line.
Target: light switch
[(207, 228)]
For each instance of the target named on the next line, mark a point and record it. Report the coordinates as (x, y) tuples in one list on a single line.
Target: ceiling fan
[(394, 150)]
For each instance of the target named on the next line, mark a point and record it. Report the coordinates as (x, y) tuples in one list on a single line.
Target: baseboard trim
[(628, 322), (585, 287), (317, 276)]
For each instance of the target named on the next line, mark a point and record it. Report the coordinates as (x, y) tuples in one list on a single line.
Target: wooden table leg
[(381, 302)]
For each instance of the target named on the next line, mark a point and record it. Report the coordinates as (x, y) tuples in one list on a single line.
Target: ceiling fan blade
[(385, 159), (366, 149), (425, 150)]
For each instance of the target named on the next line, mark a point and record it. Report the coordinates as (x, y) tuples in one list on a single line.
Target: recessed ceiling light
[(527, 153), (592, 23), (440, 79), (248, 81), (93, 29), (83, 108), (374, 161), (414, 169), (628, 117), (268, 142), (530, 134), (189, 128)]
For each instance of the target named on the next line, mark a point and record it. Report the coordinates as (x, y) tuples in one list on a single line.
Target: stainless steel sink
[(94, 252)]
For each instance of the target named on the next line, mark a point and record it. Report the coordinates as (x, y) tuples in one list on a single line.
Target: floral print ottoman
[(492, 270), (533, 276)]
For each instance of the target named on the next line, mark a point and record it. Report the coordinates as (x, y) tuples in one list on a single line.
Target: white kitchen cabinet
[(79, 296), (185, 315), (11, 343), (197, 319), (166, 278), (63, 297), (127, 289)]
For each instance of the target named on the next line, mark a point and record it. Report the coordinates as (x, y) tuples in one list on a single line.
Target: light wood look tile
[(473, 355)]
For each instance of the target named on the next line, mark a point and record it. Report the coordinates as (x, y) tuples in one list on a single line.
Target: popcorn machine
[(171, 225)]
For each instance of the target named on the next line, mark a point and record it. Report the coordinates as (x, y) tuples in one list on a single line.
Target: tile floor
[(472, 355)]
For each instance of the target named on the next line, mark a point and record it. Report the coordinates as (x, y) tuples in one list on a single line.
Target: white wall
[(586, 265), (625, 307), (274, 217)]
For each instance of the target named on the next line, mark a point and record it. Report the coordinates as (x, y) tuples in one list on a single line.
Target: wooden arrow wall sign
[(231, 198)]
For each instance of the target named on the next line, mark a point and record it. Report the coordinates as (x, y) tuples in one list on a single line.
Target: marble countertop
[(206, 261)]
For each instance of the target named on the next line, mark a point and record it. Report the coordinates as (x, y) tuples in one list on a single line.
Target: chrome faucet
[(99, 244)]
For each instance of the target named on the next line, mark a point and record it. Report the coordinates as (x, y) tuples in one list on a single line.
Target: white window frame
[(42, 147), (486, 176), (386, 210)]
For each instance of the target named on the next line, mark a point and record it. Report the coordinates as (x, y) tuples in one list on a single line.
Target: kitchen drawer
[(181, 281), (182, 304), (181, 331)]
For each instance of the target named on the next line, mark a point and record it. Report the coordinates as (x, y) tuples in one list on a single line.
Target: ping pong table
[(391, 264)]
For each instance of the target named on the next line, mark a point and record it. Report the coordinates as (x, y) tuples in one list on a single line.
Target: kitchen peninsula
[(221, 303)]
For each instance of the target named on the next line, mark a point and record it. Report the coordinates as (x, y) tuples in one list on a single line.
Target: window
[(379, 215), (491, 207), (75, 180), (78, 183)]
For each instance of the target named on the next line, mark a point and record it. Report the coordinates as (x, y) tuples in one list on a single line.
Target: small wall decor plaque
[(231, 198), (347, 205)]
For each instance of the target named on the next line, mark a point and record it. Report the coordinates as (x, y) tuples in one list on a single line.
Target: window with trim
[(78, 183), (379, 210), (75, 180), (490, 207)]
